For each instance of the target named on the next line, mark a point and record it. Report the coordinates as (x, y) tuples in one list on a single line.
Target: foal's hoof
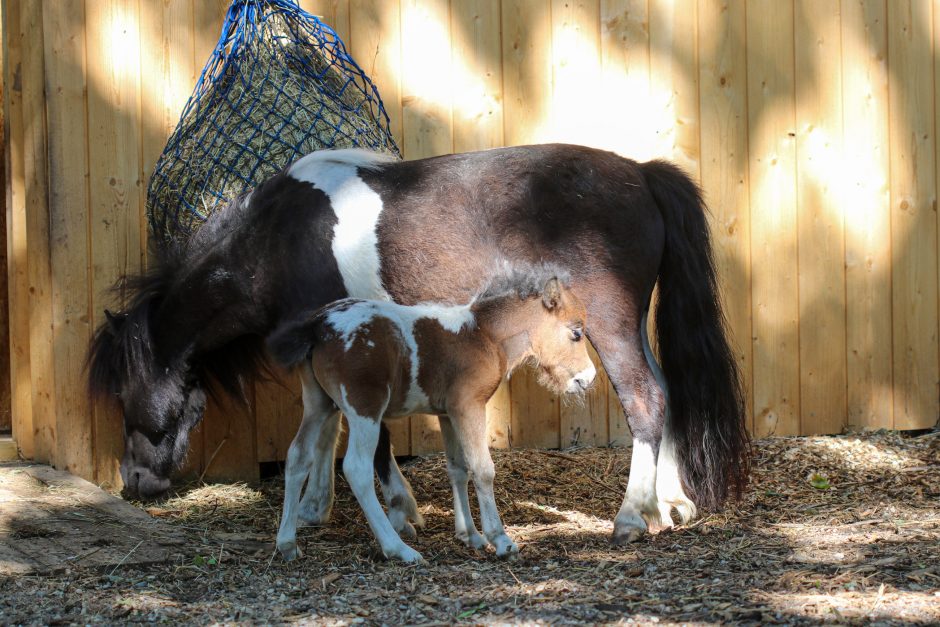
[(405, 554), (290, 551), (504, 546), (472, 540), (406, 530)]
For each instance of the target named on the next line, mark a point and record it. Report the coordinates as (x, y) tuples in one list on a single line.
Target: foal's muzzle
[(583, 380)]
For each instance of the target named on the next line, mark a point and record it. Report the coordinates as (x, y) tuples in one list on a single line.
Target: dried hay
[(864, 550)]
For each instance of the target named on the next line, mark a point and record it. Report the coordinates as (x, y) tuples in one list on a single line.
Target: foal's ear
[(551, 295), (115, 321)]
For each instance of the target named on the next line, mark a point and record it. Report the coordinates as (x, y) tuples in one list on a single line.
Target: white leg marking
[(402, 507), (465, 530), (317, 501), (669, 486), (640, 509), (359, 470)]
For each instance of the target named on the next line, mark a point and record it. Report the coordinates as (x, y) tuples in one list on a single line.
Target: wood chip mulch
[(839, 529)]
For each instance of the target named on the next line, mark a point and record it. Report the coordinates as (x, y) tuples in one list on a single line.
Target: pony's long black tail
[(706, 407)]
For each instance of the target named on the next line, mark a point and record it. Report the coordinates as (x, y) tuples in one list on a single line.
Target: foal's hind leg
[(323, 432), (301, 458), (402, 507)]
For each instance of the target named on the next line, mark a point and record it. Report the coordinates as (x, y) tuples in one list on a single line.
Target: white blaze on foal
[(376, 360)]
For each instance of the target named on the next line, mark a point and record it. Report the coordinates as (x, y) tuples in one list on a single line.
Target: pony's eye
[(576, 335)]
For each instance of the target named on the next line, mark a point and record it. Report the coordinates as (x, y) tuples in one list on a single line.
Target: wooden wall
[(811, 125)]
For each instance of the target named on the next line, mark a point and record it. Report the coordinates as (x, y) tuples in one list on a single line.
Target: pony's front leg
[(359, 471), (470, 431), (402, 507), (459, 477)]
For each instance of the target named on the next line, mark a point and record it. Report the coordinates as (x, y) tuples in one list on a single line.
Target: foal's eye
[(576, 335)]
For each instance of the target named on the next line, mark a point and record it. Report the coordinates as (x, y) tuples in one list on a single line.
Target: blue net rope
[(279, 84)]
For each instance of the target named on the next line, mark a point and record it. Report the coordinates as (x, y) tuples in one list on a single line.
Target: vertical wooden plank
[(913, 214), (37, 235), (375, 44), (18, 279), (426, 121), (6, 418), (818, 54), (527, 70), (334, 13), (868, 213), (724, 167), (673, 61), (772, 166), (64, 30), (279, 410), (478, 76), (114, 170), (625, 76)]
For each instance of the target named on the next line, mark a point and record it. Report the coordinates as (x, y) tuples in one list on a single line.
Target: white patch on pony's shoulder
[(357, 207)]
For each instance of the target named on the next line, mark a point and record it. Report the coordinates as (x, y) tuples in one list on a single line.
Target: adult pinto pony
[(351, 223)]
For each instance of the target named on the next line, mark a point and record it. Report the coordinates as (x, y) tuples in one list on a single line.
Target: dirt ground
[(837, 529)]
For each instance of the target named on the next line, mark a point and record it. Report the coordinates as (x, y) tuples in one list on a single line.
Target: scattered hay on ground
[(834, 529)]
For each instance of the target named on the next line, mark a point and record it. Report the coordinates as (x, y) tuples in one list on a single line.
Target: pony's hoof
[(289, 550), (628, 528)]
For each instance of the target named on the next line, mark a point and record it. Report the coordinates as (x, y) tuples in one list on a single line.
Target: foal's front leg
[(459, 477), (469, 427), (359, 470)]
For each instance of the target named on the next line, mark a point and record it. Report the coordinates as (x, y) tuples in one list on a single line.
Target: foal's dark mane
[(521, 280)]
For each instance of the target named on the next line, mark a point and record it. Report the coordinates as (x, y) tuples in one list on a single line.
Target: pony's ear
[(115, 321), (551, 294)]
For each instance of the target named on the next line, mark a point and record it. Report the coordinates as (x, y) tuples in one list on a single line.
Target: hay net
[(278, 85)]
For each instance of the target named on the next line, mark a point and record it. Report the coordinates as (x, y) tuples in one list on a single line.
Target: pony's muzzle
[(141, 483)]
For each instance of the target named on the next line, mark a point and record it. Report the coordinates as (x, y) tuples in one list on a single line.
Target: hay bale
[(279, 85)]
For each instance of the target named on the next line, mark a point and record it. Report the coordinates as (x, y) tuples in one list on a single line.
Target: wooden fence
[(811, 125)]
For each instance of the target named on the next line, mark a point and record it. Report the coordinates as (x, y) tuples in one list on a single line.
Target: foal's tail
[(292, 342), (706, 408)]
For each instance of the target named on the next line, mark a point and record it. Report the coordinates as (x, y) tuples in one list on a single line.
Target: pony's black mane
[(123, 346), (520, 280)]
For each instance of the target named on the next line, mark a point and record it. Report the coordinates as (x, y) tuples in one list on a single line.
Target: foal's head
[(539, 304)]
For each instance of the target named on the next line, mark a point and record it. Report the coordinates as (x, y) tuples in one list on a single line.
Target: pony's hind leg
[(317, 502), (470, 431), (301, 458), (402, 507), (619, 344), (359, 471), (459, 478)]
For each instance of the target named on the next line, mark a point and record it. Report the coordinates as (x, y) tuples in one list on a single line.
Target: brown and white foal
[(375, 360)]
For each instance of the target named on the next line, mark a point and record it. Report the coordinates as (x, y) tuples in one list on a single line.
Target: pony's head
[(161, 402), (538, 302)]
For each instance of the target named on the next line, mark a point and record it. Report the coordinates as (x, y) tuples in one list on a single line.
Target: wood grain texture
[(527, 70), (772, 167), (66, 78), (913, 214), (724, 167), (6, 418), (820, 201), (17, 276), (35, 172), (868, 214)]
